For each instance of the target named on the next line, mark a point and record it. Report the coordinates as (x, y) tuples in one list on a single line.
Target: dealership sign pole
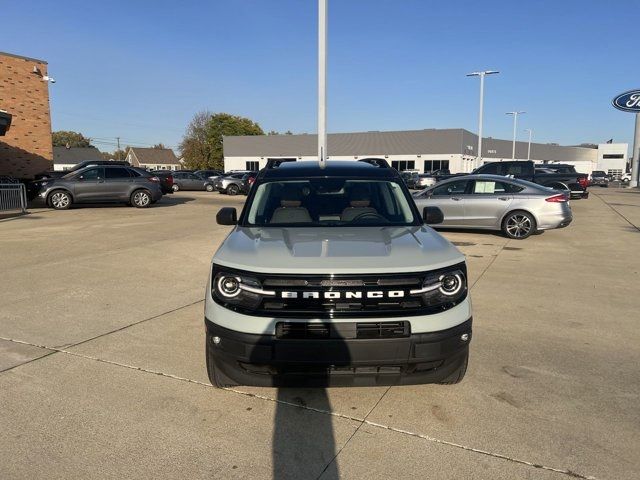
[(630, 102), (322, 82)]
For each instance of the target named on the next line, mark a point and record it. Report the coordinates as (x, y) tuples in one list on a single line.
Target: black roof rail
[(276, 162), (378, 162)]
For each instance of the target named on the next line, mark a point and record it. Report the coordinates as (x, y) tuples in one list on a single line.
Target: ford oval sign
[(628, 101)]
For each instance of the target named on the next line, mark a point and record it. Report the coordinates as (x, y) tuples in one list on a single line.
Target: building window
[(401, 165), (612, 155), (252, 165), (433, 165)]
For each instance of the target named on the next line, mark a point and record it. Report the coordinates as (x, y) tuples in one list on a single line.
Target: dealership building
[(25, 122), (422, 150)]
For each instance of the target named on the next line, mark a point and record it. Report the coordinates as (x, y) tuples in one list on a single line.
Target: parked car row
[(118, 182), (232, 183), (558, 177)]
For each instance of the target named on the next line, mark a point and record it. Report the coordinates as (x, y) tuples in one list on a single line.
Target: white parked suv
[(331, 276)]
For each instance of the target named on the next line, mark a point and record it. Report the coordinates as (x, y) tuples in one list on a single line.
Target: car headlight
[(445, 287), (234, 289)]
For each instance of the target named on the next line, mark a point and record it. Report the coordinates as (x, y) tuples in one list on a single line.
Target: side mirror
[(227, 216), (432, 215)]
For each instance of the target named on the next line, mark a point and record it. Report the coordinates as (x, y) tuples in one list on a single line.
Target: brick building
[(26, 147)]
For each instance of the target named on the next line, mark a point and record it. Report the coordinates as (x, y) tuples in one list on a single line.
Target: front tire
[(518, 225), (209, 187), (141, 198), (458, 375), (60, 200), (232, 190), (175, 187), (216, 377)]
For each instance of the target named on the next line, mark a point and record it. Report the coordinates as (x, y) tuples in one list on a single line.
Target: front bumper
[(264, 360), (599, 183)]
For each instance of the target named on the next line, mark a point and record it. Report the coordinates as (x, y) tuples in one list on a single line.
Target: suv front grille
[(349, 330), (318, 296), (345, 295)]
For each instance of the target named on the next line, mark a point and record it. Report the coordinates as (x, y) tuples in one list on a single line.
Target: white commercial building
[(421, 150)]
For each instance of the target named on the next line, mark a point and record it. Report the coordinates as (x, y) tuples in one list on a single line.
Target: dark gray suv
[(102, 184)]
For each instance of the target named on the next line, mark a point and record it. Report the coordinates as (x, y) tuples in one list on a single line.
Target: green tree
[(70, 139), (201, 146), (275, 132), (116, 155)]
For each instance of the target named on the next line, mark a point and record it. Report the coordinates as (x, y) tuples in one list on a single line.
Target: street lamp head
[(479, 74), (514, 113)]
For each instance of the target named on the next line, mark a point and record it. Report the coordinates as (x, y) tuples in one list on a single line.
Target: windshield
[(330, 202)]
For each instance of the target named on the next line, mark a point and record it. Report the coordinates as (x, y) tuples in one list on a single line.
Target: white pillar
[(322, 82), (515, 125), (635, 165), (479, 152)]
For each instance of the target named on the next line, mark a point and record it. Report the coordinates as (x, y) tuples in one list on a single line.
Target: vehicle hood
[(337, 250)]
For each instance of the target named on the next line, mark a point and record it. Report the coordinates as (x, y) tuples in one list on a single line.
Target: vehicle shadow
[(488, 233), (303, 444), (172, 200)]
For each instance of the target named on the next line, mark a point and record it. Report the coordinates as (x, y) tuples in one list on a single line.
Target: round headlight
[(229, 286), (451, 283)]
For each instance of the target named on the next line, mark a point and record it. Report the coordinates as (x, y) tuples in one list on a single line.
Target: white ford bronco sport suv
[(331, 277)]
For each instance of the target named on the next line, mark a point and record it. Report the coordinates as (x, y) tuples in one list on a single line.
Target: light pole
[(322, 82), (529, 147), (481, 75), (515, 126)]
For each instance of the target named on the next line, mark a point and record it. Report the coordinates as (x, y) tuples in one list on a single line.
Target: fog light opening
[(464, 337), (216, 340)]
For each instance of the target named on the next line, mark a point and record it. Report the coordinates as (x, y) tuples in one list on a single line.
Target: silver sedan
[(517, 207)]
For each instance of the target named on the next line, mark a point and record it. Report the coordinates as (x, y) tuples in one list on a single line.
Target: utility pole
[(118, 139), (529, 147), (322, 82), (515, 126), (635, 165), (481, 75)]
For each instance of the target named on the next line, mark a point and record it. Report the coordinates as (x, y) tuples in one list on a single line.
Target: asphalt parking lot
[(102, 370)]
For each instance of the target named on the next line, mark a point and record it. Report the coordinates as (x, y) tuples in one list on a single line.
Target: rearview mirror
[(432, 215), (227, 216)]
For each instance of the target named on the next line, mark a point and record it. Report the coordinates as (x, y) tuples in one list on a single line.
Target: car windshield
[(330, 202)]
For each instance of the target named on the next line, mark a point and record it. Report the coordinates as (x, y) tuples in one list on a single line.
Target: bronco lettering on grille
[(338, 295)]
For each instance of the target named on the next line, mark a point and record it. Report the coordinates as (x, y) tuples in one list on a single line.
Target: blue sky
[(140, 69)]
